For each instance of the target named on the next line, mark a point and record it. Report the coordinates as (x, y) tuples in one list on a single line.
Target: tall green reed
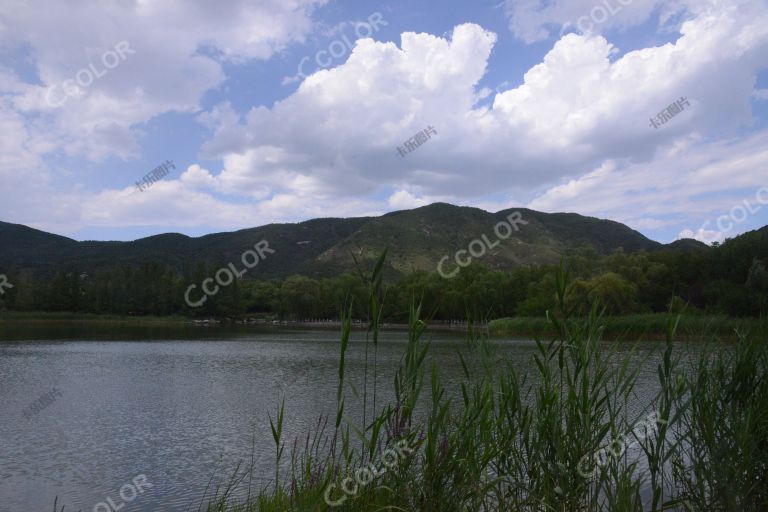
[(506, 439)]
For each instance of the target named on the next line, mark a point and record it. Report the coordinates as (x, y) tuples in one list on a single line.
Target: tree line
[(726, 279)]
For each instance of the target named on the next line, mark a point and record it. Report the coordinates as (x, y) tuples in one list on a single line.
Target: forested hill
[(417, 240)]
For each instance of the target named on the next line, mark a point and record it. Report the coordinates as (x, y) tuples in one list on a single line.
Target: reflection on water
[(177, 404)]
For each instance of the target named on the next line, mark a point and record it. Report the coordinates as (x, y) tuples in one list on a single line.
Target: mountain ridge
[(417, 239)]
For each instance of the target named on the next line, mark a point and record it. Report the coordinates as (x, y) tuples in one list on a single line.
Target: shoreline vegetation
[(730, 280), (564, 440), (640, 327), (648, 327), (569, 435)]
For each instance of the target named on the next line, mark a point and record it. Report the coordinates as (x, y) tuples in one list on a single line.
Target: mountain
[(417, 239)]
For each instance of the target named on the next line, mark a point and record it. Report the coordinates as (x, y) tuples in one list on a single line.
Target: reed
[(514, 442)]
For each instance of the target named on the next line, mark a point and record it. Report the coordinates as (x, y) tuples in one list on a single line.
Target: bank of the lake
[(44, 316), (629, 328), (41, 317), (180, 404), (587, 426), (635, 327)]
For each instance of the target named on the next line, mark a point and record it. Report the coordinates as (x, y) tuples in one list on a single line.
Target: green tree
[(610, 290), (757, 284)]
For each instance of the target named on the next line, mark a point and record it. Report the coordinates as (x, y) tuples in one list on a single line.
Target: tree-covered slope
[(417, 239)]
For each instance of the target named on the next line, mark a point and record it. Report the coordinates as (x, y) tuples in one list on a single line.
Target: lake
[(87, 408)]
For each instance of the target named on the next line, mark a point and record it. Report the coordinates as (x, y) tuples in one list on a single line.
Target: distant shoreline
[(624, 328), (43, 317), (652, 326)]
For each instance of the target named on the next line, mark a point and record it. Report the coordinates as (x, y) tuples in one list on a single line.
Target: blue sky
[(539, 104)]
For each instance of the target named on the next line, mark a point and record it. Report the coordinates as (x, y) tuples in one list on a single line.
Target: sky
[(651, 113)]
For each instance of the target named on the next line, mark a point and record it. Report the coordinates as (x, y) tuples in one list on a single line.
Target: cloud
[(176, 53), (181, 204), (348, 121), (692, 183), (574, 135), (581, 108), (404, 200), (537, 20), (702, 235), (650, 223)]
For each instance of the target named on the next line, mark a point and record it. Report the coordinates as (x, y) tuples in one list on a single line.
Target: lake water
[(179, 405)]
